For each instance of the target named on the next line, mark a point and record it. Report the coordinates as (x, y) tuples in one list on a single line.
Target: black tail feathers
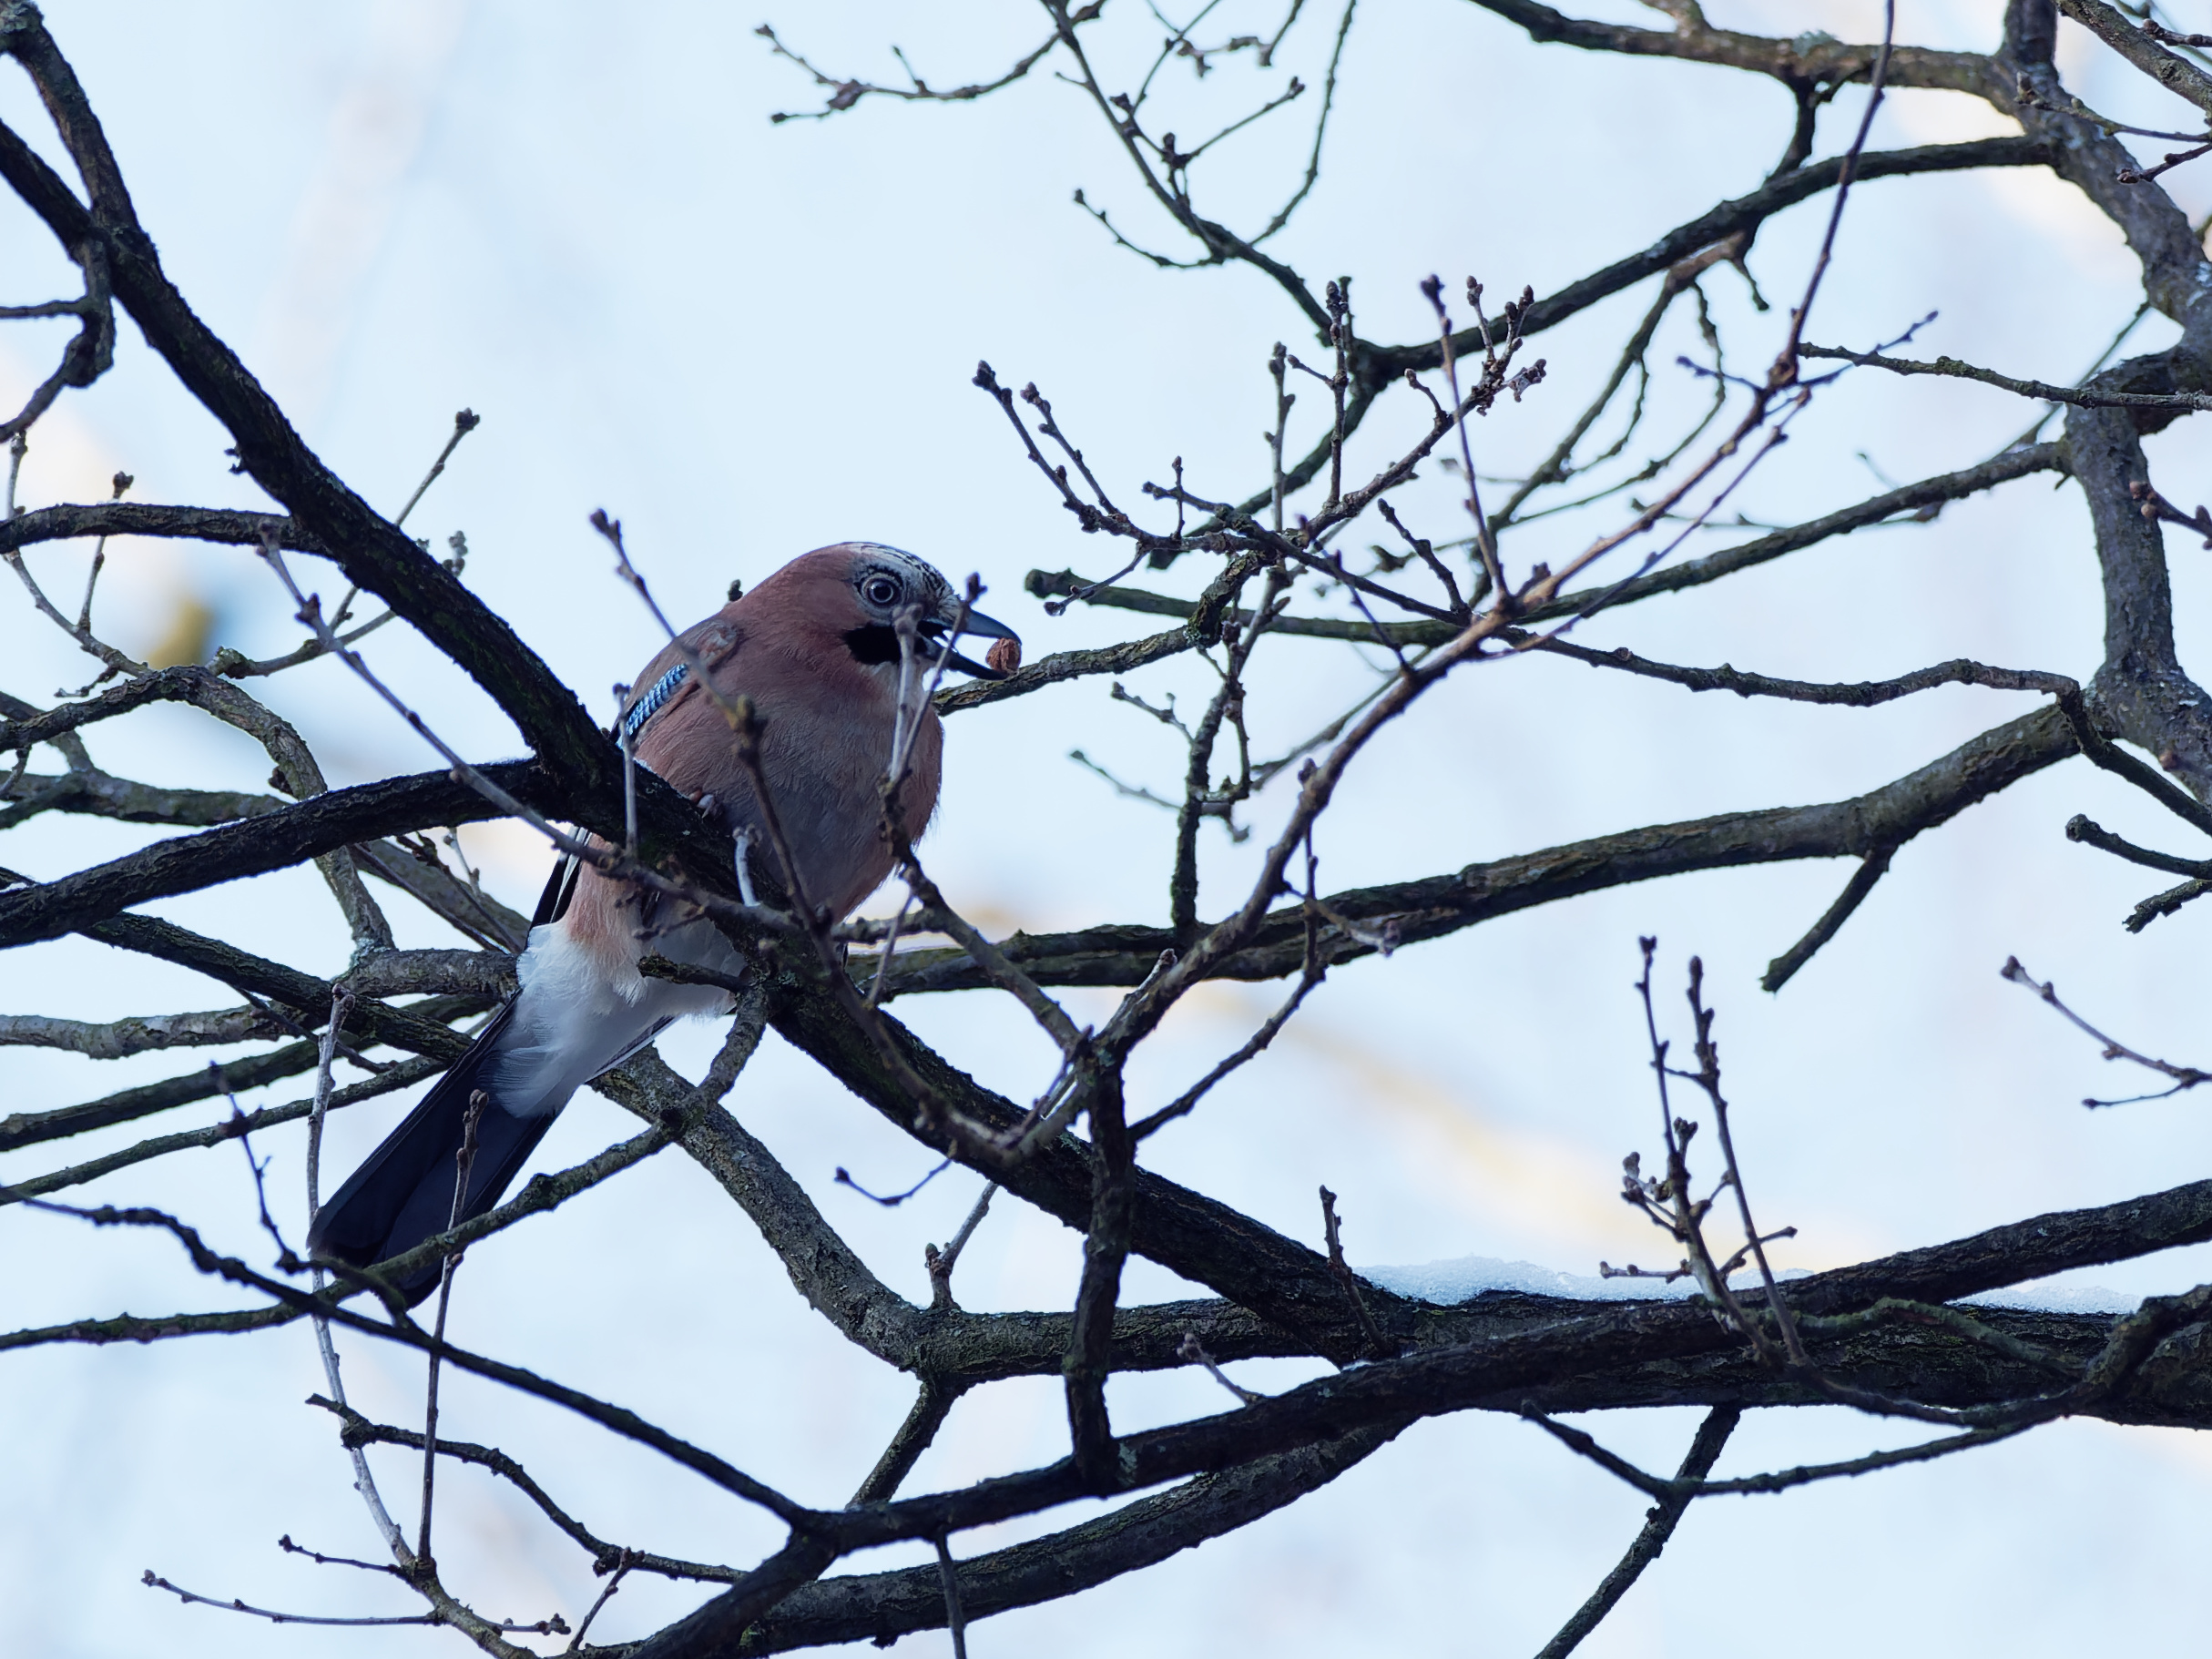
[(404, 1191)]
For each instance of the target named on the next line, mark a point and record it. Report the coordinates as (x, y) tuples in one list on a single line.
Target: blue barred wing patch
[(651, 702)]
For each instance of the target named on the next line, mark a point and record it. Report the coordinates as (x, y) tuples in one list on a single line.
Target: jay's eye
[(880, 590)]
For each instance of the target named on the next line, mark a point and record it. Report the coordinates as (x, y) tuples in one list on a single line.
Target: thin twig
[(1253, 1045), (2185, 1076), (2043, 391), (465, 422), (1872, 868), (1193, 1350), (954, 1620), (1658, 1527), (464, 1162), (1346, 1277), (1780, 1479), (154, 1581), (941, 1262), (364, 1482), (614, 1582), (1485, 543)]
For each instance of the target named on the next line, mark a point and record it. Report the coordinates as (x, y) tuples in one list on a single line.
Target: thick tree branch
[(1951, 368), (1743, 214), (2175, 72), (2093, 161), (1067, 665), (70, 521), (128, 1328), (880, 1606), (1196, 1236), (270, 841), (1437, 905), (29, 1128), (113, 1039), (97, 794), (1922, 499), (399, 1076), (2142, 692), (1811, 59), (1489, 1374)]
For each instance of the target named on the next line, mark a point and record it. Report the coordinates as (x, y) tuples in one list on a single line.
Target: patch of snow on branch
[(2055, 1298), (1449, 1283), (1446, 1283)]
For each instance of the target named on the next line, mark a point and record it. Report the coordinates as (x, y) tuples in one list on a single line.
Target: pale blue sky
[(747, 339)]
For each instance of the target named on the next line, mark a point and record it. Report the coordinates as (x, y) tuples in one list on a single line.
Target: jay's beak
[(934, 630)]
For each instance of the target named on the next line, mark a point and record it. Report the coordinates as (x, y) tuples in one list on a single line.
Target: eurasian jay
[(815, 648)]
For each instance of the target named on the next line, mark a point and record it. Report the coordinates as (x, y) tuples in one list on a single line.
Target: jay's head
[(860, 589)]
